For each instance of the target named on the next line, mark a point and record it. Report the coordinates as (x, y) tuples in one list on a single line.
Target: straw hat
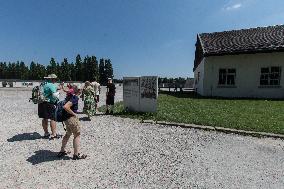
[(51, 76)]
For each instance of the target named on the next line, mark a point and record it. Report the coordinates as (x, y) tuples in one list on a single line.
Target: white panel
[(131, 93), (148, 93)]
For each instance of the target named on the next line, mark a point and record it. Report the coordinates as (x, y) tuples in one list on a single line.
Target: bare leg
[(96, 106), (44, 123), (76, 143), (53, 127), (64, 142)]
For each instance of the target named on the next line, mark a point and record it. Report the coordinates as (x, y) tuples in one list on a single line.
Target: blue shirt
[(74, 99)]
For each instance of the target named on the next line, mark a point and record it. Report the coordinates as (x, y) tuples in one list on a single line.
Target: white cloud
[(233, 7)]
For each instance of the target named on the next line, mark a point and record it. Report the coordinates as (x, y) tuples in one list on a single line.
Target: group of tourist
[(90, 96)]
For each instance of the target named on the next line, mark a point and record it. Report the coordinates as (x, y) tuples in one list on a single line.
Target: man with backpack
[(46, 106)]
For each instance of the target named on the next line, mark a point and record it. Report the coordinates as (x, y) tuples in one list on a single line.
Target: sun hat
[(51, 76)]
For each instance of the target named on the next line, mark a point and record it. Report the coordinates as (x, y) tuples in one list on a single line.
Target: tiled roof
[(261, 39)]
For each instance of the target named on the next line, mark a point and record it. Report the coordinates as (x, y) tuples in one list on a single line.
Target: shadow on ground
[(84, 119), (80, 113), (25, 136), (42, 156)]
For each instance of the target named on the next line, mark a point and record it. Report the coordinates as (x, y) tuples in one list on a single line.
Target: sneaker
[(107, 112), (79, 156)]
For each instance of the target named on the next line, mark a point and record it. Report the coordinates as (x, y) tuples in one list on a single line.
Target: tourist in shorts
[(73, 126), (46, 109), (97, 89), (110, 97)]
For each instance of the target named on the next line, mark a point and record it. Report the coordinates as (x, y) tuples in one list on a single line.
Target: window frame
[(271, 77), (227, 77)]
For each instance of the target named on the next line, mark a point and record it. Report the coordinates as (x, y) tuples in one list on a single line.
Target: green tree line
[(84, 69)]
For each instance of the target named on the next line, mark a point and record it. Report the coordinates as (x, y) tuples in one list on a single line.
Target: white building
[(240, 63)]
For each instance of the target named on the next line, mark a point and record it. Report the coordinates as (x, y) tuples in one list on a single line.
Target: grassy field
[(245, 114)]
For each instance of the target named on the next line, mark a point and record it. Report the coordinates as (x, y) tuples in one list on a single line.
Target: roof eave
[(244, 52), (201, 43)]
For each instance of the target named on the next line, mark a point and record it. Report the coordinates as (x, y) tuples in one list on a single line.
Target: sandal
[(61, 154), (79, 156), (57, 136), (46, 135)]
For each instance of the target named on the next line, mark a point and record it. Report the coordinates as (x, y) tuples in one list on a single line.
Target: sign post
[(140, 94), (131, 93)]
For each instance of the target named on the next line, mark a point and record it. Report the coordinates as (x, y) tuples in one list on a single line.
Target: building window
[(227, 77), (270, 76)]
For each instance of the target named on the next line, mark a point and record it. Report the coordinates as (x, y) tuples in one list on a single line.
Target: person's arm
[(60, 86), (68, 109), (65, 90)]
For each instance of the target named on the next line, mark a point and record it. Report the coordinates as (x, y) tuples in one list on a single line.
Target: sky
[(141, 37)]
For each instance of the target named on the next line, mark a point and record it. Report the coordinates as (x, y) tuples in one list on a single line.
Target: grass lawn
[(245, 114)]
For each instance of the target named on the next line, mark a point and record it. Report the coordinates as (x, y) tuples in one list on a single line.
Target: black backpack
[(60, 115), (38, 94)]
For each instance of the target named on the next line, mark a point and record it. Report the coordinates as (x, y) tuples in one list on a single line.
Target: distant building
[(240, 63), (189, 83)]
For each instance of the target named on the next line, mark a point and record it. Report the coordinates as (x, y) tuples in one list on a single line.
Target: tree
[(11, 71), (65, 71), (80, 71), (52, 67), (73, 71), (85, 73), (17, 70), (58, 70), (3, 70), (41, 71), (108, 69), (32, 73), (86, 67), (102, 77), (94, 75), (24, 71), (78, 68)]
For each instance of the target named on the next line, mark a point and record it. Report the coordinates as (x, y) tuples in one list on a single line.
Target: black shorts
[(46, 110), (110, 100)]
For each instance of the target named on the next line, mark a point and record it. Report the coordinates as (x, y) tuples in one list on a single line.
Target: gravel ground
[(123, 153)]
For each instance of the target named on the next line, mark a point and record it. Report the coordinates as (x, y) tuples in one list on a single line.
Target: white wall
[(248, 70), (19, 84), (198, 84)]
